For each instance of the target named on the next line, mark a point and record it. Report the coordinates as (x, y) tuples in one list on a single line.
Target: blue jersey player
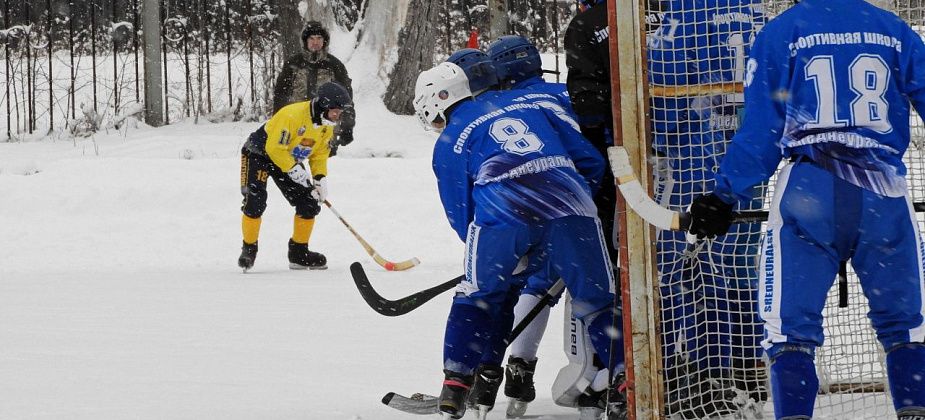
[(710, 331), (519, 65), (829, 86), (515, 185)]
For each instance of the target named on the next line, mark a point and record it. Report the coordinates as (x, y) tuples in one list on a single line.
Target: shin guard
[(467, 327), (794, 384), (906, 371)]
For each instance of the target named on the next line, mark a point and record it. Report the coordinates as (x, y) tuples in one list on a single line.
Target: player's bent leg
[(794, 383), (518, 374), (577, 376), (254, 170), (905, 366), (489, 374), (492, 255)]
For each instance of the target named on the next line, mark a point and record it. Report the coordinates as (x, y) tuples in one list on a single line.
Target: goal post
[(690, 311), (637, 259)]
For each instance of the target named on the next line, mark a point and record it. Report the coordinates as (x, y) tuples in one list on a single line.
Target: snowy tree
[(290, 27), (416, 54)]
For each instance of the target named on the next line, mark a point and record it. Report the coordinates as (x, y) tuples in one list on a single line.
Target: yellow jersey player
[(278, 150)]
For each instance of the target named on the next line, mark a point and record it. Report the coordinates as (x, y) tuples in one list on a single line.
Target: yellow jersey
[(289, 127)]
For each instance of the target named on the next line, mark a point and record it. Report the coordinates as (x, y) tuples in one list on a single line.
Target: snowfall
[(120, 295)]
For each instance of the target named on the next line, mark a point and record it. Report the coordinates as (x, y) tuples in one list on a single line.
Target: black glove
[(710, 216), (332, 146), (345, 137)]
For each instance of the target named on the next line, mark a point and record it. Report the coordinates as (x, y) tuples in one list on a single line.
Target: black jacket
[(587, 56), (303, 73)]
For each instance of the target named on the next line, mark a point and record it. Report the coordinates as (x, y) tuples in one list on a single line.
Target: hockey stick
[(660, 217), (399, 306), (551, 294), (413, 301), (427, 404), (386, 264)]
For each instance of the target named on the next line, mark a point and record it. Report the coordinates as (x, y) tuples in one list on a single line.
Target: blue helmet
[(479, 69), (515, 57)]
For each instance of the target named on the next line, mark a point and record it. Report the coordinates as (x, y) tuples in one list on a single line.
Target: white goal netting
[(711, 359)]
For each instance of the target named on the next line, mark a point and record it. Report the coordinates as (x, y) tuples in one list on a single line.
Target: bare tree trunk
[(151, 27), (290, 27), (500, 18), (416, 54), (380, 28)]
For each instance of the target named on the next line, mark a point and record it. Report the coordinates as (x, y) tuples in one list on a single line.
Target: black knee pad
[(307, 208), (255, 202)]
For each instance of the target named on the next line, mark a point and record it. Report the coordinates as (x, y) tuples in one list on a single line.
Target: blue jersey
[(512, 158), (698, 42), (559, 90), (832, 81)]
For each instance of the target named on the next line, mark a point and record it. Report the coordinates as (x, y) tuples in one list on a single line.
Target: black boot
[(591, 404), (453, 395), (300, 258), (604, 405), (616, 402), (248, 255), (485, 389), (518, 378)]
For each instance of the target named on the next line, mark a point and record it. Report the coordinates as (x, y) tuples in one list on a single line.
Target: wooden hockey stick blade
[(394, 266), (386, 264), (416, 404), (648, 209), (399, 306)]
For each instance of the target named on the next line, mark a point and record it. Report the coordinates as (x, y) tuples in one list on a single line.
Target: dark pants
[(255, 170)]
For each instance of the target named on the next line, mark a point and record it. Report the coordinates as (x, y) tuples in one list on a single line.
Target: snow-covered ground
[(120, 296)]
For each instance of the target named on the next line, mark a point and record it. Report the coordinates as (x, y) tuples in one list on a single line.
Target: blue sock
[(794, 384), (603, 341), (905, 366), (467, 328)]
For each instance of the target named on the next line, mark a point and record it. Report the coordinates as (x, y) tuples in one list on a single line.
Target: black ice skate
[(248, 255), (518, 385), (452, 400), (300, 258), (485, 389), (594, 405)]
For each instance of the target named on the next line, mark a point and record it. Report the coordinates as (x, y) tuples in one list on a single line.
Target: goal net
[(706, 296)]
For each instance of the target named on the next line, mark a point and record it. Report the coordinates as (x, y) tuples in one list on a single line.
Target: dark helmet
[(515, 57), (330, 96), (479, 69), (314, 28)]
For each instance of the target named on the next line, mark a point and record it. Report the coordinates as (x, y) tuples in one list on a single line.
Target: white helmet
[(437, 89)]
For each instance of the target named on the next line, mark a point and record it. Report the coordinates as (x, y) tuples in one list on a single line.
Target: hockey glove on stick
[(300, 175), (320, 192), (710, 216)]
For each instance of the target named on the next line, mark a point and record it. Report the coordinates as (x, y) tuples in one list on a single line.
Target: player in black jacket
[(587, 57), (304, 72)]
